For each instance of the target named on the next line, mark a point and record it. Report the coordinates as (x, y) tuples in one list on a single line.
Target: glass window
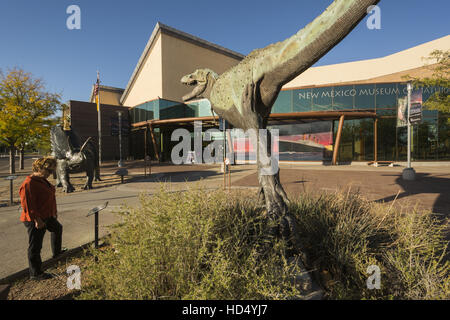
[(283, 104), (386, 141), (302, 100), (365, 97), (343, 97), (443, 137), (386, 98), (322, 99), (305, 141), (171, 110), (357, 143), (203, 108), (402, 90)]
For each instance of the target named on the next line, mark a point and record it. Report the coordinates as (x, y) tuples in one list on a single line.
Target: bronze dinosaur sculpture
[(244, 95)]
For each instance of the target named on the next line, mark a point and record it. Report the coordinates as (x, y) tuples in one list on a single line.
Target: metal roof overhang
[(274, 118)]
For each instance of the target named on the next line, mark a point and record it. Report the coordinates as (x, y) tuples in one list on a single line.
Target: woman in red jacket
[(39, 214)]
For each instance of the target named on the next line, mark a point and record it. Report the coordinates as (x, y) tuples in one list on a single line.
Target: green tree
[(26, 110), (440, 77)]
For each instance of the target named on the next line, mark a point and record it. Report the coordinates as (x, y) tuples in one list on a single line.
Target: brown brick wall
[(84, 120)]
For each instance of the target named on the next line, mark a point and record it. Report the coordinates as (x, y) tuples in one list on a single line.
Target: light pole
[(120, 164), (409, 173)]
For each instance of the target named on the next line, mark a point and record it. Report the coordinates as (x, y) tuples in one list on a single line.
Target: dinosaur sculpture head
[(203, 80), (76, 158)]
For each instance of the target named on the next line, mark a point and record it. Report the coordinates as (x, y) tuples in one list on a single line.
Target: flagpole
[(99, 122)]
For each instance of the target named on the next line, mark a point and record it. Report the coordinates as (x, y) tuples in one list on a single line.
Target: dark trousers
[(35, 239)]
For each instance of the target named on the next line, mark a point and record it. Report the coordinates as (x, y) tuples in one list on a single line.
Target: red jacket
[(37, 197)]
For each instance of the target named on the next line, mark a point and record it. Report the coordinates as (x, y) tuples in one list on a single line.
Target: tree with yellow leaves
[(26, 110)]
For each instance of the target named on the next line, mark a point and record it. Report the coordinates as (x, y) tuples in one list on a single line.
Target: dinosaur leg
[(63, 176), (272, 193), (97, 173), (89, 179), (67, 186), (254, 120), (57, 177)]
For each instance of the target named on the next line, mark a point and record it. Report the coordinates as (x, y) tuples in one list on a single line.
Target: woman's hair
[(47, 163)]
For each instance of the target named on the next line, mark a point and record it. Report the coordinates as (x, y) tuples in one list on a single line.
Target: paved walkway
[(431, 191)]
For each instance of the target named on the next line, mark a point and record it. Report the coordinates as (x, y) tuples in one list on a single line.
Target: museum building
[(335, 113)]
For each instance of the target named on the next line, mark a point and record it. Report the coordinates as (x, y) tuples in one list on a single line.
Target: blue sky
[(34, 36)]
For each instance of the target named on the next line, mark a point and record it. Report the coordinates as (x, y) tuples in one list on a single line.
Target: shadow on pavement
[(425, 184), (181, 176)]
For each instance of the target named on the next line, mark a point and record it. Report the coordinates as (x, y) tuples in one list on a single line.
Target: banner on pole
[(402, 105), (415, 113)]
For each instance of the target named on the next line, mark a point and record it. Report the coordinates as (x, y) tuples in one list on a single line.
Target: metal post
[(96, 230), (95, 211), (120, 139), (99, 124), (11, 187), (409, 173), (375, 146), (409, 125)]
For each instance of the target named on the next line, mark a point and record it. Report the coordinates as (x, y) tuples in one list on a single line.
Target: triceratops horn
[(84, 144)]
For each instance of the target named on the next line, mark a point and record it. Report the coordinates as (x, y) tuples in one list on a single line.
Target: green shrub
[(344, 234), (214, 245), (190, 245)]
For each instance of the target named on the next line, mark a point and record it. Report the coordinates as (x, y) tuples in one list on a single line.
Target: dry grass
[(213, 245)]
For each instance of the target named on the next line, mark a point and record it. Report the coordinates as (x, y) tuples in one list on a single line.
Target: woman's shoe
[(60, 253)]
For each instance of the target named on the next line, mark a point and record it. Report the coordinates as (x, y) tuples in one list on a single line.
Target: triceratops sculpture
[(72, 157)]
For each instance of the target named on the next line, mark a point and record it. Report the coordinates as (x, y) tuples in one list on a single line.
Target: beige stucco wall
[(369, 69), (181, 57), (147, 85), (110, 97)]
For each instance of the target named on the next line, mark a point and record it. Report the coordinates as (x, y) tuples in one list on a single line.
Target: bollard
[(11, 187)]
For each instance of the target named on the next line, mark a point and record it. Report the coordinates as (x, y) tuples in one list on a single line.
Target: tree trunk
[(22, 158), (12, 163)]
